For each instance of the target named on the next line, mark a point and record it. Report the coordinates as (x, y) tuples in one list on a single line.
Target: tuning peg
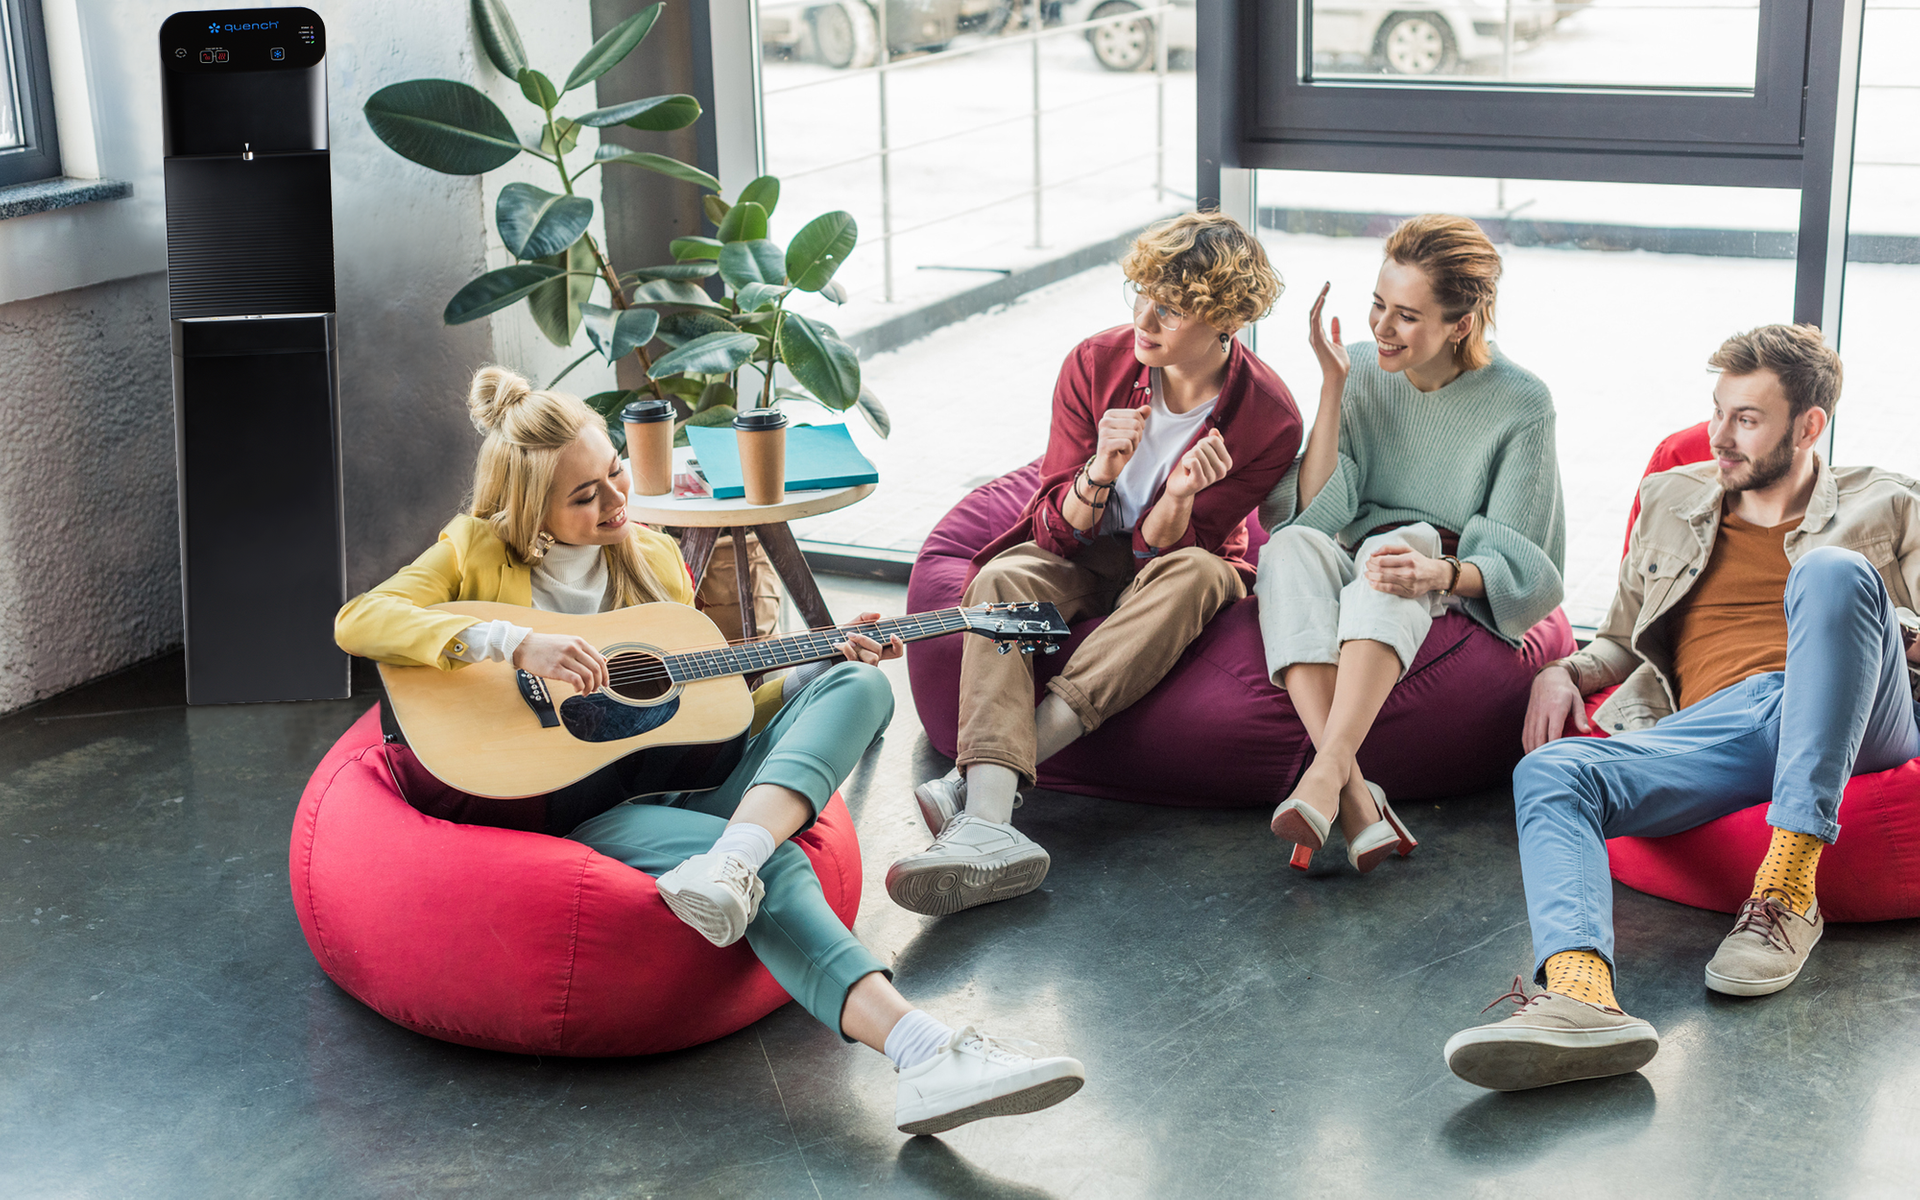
[(1051, 648), (1003, 647)]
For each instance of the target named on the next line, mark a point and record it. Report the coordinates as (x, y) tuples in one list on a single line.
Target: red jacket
[(1255, 414)]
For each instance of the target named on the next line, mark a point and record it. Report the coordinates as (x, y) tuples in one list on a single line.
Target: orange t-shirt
[(1734, 622)]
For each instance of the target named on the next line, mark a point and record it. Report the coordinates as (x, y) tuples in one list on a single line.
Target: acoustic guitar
[(675, 698)]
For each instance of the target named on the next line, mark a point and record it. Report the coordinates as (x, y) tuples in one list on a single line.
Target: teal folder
[(818, 456)]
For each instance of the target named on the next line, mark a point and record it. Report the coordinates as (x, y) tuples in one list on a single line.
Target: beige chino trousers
[(1156, 612)]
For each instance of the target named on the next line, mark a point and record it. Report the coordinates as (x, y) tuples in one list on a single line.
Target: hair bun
[(494, 392)]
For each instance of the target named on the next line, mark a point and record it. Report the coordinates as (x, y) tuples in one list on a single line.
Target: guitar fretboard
[(811, 646)]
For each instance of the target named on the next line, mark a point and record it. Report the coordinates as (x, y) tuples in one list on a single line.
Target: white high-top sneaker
[(975, 1076), (971, 862)]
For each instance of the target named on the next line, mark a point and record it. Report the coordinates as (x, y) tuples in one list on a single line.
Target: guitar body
[(490, 730)]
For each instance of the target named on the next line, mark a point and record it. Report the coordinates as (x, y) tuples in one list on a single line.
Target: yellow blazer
[(393, 622)]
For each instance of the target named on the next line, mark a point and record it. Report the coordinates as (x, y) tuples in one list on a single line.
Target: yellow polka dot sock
[(1788, 869), (1583, 975)]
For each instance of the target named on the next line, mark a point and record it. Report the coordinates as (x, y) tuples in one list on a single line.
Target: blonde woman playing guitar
[(548, 529)]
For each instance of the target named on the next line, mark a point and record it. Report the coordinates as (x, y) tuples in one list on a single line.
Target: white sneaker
[(943, 799), (717, 894), (971, 862), (975, 1076)]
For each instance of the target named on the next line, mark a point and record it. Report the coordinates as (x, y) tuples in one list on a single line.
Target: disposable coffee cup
[(762, 437), (650, 445)]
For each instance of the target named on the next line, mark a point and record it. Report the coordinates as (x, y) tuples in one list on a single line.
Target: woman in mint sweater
[(1430, 481)]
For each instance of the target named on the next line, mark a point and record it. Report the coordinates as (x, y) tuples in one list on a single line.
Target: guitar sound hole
[(639, 677)]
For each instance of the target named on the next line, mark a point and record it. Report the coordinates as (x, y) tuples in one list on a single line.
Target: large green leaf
[(659, 163), (875, 412), (744, 222), (656, 113), (710, 354), (674, 291), (677, 329), (764, 191), (757, 296), (536, 224), (496, 290), (499, 38), (715, 207), (443, 125), (718, 394), (555, 304), (817, 251), (606, 53), (719, 414), (616, 333), (825, 366), (686, 270), (685, 248), (538, 89), (759, 261), (560, 137)]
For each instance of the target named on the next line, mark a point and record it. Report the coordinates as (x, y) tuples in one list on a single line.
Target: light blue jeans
[(1842, 708)]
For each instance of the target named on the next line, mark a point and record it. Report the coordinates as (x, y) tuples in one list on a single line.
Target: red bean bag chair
[(1871, 874), (1215, 732), (511, 940)]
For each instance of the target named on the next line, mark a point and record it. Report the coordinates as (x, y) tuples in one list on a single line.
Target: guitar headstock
[(1031, 626)]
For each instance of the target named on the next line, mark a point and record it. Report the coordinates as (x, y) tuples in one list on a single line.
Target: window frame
[(39, 158)]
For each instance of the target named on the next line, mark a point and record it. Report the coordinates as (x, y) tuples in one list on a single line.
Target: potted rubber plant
[(711, 330)]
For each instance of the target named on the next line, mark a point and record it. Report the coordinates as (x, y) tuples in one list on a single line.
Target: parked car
[(1427, 38), (846, 33), (1129, 45), (1417, 38)]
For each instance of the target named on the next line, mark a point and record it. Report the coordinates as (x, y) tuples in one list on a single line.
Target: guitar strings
[(813, 644)]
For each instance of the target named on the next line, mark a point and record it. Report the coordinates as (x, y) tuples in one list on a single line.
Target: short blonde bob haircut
[(1205, 264), (525, 432), (1461, 267)]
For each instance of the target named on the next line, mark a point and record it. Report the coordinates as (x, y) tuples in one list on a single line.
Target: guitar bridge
[(534, 691)]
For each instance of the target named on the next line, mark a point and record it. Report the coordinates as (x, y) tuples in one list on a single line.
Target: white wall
[(89, 554)]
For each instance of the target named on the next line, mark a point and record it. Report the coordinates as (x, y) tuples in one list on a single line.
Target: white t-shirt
[(1153, 460)]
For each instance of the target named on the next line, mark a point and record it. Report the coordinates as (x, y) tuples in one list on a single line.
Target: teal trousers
[(810, 747)]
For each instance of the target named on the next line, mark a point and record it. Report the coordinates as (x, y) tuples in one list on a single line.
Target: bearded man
[(1761, 635)]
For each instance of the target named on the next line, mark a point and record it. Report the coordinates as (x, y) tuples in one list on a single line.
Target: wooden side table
[(706, 520)]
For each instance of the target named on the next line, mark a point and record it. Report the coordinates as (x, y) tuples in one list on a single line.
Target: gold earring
[(542, 542)]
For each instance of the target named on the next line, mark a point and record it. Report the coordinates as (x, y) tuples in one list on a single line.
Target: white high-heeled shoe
[(1383, 837)]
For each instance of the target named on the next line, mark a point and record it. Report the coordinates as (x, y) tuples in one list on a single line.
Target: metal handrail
[(971, 129), (1023, 193)]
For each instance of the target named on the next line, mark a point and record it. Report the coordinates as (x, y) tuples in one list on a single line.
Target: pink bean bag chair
[(1871, 874), (510, 940), (1215, 732)]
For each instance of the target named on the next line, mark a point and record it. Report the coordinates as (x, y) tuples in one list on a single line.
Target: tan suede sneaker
[(1768, 946), (1550, 1039)]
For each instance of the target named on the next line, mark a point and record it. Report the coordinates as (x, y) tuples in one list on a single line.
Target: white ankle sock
[(749, 841), (990, 792), (914, 1039)]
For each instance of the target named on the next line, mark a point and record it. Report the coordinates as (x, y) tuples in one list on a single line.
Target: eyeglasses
[(1138, 301)]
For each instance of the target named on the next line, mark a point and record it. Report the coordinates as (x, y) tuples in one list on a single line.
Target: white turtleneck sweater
[(570, 579)]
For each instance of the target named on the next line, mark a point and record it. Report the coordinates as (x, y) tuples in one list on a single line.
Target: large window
[(28, 149)]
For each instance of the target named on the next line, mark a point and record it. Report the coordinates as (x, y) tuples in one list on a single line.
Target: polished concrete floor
[(1247, 1030)]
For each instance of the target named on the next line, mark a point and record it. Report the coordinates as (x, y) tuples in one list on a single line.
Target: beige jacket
[(1866, 509)]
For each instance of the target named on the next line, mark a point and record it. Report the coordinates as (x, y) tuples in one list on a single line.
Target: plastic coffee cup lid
[(760, 420), (645, 412)]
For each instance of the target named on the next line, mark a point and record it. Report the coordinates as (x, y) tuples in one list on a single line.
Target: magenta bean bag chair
[(510, 940), (1871, 874), (1215, 732)]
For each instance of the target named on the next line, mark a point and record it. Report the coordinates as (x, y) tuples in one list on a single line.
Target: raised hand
[(860, 648), (1119, 436), (563, 657), (1334, 363), (1206, 464)]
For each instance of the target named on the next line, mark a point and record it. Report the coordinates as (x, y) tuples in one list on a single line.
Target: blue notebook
[(818, 456)]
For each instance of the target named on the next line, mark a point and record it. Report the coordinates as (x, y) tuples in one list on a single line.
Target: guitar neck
[(814, 645)]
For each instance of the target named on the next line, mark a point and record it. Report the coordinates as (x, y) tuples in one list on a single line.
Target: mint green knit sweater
[(1477, 457)]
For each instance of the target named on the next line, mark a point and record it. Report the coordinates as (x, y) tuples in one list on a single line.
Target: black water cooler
[(255, 369)]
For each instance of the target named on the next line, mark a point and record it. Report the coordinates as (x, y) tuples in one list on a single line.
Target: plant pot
[(650, 445), (762, 437)]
